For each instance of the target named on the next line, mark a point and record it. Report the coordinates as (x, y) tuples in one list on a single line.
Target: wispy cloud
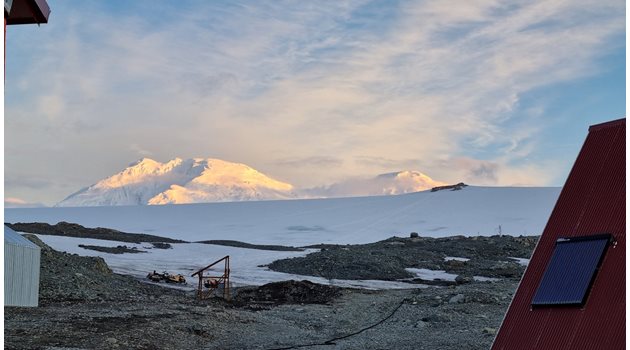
[(314, 161), (388, 163), (137, 149), (489, 173), (32, 182), (12, 202), (363, 85)]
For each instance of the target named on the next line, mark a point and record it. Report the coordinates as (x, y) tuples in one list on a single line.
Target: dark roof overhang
[(26, 11)]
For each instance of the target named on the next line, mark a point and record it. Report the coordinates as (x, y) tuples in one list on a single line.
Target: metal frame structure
[(209, 284)]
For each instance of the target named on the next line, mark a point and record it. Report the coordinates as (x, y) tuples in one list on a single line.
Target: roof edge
[(13, 238), (28, 12), (608, 124)]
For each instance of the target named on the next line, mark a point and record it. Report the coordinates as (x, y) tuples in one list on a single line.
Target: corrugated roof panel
[(593, 201), (12, 237)]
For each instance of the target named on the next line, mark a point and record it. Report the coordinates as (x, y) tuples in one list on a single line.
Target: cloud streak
[(363, 85)]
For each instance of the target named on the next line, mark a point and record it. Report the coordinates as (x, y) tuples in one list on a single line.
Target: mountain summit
[(180, 181)]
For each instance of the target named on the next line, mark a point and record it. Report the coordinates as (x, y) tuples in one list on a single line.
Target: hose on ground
[(333, 340)]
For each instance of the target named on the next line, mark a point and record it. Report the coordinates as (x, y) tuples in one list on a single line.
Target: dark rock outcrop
[(68, 229)]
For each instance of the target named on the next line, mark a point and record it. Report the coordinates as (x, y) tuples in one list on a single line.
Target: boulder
[(457, 299)]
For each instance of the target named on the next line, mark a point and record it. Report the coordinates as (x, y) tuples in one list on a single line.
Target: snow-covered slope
[(180, 181), (470, 211)]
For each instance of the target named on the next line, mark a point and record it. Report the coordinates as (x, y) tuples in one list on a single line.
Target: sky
[(492, 93)]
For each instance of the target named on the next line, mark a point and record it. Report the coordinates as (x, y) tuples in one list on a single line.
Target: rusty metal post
[(226, 282), (214, 281), (200, 286)]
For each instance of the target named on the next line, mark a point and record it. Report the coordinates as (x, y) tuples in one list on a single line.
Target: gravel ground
[(83, 305), (420, 319)]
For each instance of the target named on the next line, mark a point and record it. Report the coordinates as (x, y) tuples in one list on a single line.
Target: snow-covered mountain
[(180, 181), (199, 180), (401, 182)]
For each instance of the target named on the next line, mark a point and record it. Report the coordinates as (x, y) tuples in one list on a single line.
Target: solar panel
[(571, 270)]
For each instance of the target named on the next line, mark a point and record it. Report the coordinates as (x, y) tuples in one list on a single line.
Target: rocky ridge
[(68, 229), (489, 257)]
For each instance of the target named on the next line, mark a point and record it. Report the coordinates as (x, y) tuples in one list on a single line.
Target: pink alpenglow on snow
[(180, 181), (199, 180)]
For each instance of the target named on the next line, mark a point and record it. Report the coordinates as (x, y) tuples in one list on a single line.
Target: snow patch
[(432, 275), (484, 279), (450, 258), (521, 261)]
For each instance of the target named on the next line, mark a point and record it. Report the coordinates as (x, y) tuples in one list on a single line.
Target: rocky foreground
[(83, 305)]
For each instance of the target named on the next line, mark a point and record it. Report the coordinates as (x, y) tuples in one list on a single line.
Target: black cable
[(332, 341)]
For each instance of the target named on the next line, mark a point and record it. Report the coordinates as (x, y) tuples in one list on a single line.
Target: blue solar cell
[(571, 270)]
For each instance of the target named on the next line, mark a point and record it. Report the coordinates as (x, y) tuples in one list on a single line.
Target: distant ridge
[(455, 187)]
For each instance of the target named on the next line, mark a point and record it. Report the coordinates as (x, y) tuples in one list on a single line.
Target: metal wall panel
[(592, 201), (21, 275)]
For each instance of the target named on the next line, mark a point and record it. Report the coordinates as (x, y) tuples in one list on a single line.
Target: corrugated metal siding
[(21, 275), (593, 201)]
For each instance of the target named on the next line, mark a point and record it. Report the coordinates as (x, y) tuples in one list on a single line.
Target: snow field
[(470, 211)]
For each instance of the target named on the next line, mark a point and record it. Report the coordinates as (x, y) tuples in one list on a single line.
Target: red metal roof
[(592, 201)]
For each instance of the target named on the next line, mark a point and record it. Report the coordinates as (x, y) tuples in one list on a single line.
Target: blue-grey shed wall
[(21, 270)]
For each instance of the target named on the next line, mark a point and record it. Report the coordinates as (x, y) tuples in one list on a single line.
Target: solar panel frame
[(571, 270)]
